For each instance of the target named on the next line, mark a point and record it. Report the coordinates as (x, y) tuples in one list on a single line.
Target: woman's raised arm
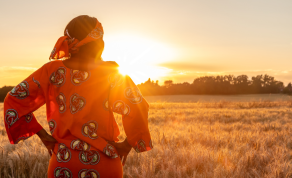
[(126, 99), (21, 102)]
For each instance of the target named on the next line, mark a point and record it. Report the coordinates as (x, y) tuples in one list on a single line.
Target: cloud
[(191, 66), (19, 68), (12, 75)]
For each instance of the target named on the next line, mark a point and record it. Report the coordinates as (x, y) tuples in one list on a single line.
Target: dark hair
[(80, 26)]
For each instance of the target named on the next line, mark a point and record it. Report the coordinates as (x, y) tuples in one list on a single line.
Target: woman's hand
[(47, 140), (123, 149)]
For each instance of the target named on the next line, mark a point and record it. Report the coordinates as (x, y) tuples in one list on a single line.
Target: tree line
[(208, 85), (217, 85)]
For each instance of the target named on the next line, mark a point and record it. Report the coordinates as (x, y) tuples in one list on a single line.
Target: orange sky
[(165, 39)]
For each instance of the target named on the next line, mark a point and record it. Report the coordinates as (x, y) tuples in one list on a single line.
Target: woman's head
[(79, 28), (83, 38)]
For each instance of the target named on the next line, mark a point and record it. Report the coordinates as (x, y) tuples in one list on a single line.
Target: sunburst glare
[(138, 57)]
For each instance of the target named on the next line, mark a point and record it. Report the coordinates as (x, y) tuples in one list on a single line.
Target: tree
[(168, 83)]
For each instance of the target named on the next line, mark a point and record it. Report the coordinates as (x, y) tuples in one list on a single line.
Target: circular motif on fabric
[(28, 117), (80, 145), (63, 154), (52, 125), (89, 157), (77, 103), (134, 95), (11, 116), (36, 82), (110, 151), (95, 33), (115, 79), (58, 77), (89, 129), (78, 77), (121, 107), (140, 147), (151, 144), (61, 100), (62, 172), (105, 104), (88, 173), (20, 91)]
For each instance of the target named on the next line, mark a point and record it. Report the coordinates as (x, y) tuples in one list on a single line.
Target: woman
[(81, 92)]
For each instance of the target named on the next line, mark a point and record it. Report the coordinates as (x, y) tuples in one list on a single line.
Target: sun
[(124, 70), (141, 73), (138, 56)]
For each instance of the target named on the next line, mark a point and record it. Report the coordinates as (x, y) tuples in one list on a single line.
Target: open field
[(203, 139), (216, 98)]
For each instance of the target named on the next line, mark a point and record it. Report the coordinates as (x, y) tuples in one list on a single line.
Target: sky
[(177, 40)]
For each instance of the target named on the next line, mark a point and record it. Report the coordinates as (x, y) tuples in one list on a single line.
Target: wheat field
[(210, 139)]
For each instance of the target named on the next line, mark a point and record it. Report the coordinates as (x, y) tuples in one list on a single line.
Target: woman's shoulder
[(52, 66), (112, 63), (52, 63), (110, 66), (106, 66)]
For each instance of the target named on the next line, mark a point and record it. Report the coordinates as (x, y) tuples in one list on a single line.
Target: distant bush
[(3, 92)]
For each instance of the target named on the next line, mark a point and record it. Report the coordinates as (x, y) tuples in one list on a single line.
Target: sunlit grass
[(218, 139)]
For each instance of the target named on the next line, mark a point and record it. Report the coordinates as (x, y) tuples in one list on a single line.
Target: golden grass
[(218, 139)]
